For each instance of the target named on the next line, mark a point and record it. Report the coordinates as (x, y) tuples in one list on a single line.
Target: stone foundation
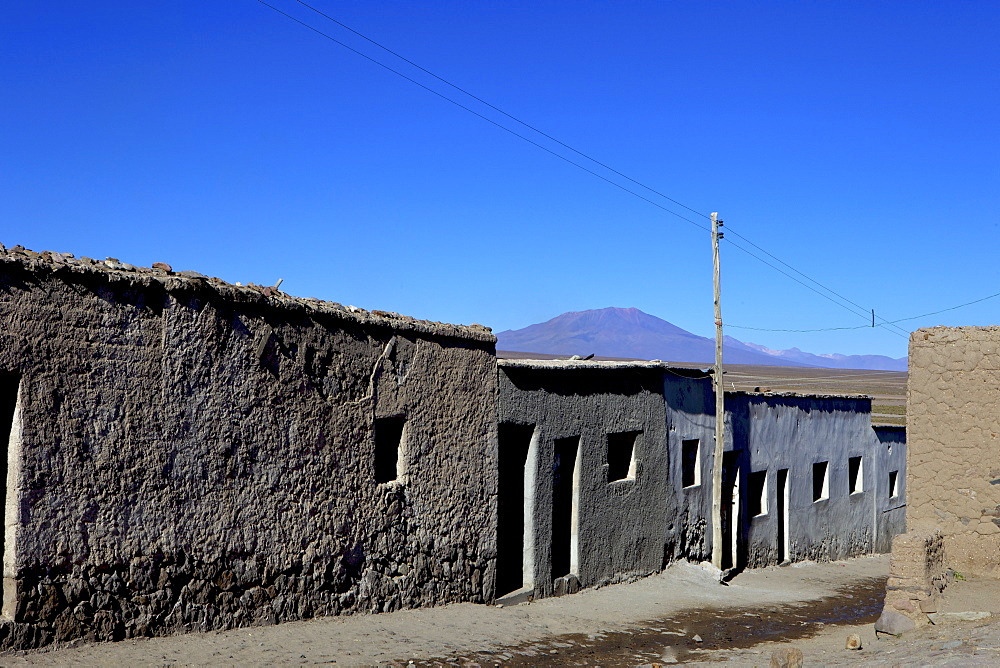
[(918, 575)]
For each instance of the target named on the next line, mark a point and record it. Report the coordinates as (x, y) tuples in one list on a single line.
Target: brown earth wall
[(953, 425), (188, 454)]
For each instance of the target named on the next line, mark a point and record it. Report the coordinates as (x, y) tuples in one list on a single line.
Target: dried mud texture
[(953, 474), (189, 454)]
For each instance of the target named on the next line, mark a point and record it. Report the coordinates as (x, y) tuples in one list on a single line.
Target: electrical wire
[(501, 111), (485, 118), (591, 159), (861, 312), (888, 322), (838, 295)]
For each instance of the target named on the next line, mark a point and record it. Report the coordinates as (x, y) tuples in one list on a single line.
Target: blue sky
[(856, 141)]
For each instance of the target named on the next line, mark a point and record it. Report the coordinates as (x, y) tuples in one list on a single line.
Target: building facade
[(952, 478), (186, 454), (610, 466)]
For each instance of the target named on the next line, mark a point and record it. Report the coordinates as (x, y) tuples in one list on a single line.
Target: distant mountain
[(630, 333), (833, 360)]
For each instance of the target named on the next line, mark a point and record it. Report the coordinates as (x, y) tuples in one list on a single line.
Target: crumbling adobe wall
[(952, 470), (953, 425), (196, 455)]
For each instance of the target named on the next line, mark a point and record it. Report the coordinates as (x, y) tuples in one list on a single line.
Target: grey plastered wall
[(620, 523), (195, 455), (953, 442), (770, 433), (690, 414), (795, 432), (891, 502)]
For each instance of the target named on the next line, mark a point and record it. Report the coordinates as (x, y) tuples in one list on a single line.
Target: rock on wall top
[(114, 270)]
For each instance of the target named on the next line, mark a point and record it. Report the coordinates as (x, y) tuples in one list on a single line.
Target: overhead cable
[(861, 312), (485, 118), (888, 322)]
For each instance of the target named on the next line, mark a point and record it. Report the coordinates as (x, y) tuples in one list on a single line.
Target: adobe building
[(186, 454), (953, 474), (583, 496), (605, 471), (189, 454)]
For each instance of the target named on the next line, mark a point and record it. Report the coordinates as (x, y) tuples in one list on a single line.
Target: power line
[(951, 308), (862, 312), (888, 322), (501, 111), (884, 322), (808, 287), (485, 118)]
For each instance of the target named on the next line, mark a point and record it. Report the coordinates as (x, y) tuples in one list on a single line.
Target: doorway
[(565, 483), (732, 530), (514, 508), (782, 498), (10, 436)]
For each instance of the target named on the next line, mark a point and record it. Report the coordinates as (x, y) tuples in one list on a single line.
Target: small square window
[(855, 475), (690, 462), (757, 501), (893, 484), (388, 448), (821, 481), (621, 455)]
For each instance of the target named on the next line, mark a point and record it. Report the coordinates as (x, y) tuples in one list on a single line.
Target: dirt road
[(652, 620)]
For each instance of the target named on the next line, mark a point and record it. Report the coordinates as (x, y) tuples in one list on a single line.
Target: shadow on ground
[(688, 635)]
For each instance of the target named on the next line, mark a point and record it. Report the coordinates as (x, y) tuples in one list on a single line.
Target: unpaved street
[(683, 615), (652, 620)]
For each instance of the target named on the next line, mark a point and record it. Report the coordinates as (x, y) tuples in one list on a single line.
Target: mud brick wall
[(953, 425), (187, 454)]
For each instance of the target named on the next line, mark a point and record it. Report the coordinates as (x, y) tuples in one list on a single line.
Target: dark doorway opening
[(563, 502), (9, 385), (731, 525), (781, 496), (513, 441)]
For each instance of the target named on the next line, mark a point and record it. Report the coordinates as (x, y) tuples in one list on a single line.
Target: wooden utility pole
[(720, 407)]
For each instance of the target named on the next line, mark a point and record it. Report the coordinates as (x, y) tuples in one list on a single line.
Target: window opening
[(690, 463), (893, 484), (388, 448), (621, 455), (855, 475), (821, 481), (757, 497)]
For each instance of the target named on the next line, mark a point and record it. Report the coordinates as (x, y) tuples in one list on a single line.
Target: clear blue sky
[(856, 141)]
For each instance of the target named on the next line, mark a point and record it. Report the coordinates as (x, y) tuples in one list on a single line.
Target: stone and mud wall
[(953, 469), (954, 443), (188, 454)]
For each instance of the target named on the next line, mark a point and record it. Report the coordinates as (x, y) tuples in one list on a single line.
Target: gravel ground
[(654, 620)]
